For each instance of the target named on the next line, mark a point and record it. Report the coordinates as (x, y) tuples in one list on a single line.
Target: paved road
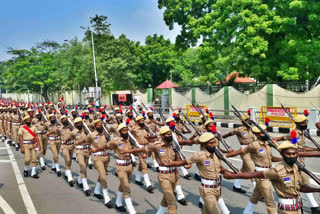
[(51, 194)]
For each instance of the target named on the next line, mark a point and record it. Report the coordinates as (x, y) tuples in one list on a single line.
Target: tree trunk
[(45, 93)]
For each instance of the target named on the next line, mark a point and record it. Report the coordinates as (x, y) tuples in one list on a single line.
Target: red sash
[(33, 135)]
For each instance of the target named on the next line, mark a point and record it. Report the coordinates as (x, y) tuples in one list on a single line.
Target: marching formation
[(137, 140)]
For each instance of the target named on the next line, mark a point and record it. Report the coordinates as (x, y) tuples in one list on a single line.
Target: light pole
[(94, 60)]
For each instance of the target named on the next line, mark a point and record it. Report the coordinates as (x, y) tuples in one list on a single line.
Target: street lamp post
[(94, 61)]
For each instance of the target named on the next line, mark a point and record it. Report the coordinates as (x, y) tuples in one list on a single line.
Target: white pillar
[(253, 113), (312, 119)]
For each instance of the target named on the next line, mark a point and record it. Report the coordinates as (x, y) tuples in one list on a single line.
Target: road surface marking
[(5, 161), (6, 207), (22, 187)]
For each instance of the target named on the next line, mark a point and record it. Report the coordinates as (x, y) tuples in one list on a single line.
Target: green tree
[(75, 65), (157, 57), (268, 40), (32, 70)]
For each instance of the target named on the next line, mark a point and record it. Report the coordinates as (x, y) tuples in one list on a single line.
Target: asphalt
[(51, 194)]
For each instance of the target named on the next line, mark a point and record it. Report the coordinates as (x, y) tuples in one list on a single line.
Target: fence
[(218, 102)]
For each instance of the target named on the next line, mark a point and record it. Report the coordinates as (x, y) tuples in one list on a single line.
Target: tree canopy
[(266, 40)]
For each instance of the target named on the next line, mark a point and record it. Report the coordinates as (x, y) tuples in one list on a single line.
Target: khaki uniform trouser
[(124, 174), (247, 164), (15, 136), (168, 184), (8, 131), (101, 164), (55, 148), (83, 158), (67, 152), (30, 154), (44, 143), (263, 189), (142, 165), (3, 132), (289, 212), (210, 197)]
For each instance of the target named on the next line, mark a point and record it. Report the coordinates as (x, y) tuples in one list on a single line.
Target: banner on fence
[(278, 116)]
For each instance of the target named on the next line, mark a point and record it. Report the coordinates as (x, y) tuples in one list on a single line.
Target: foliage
[(268, 40)]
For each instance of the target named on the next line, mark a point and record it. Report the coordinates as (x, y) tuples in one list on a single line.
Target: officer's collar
[(261, 142), (289, 168)]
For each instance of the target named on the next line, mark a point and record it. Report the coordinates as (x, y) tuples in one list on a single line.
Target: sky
[(27, 22)]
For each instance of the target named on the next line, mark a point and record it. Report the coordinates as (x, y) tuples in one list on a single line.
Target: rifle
[(223, 141), (275, 145), (86, 128), (180, 134), (217, 150), (134, 110), (44, 117), (237, 113), (218, 134), (193, 126), (58, 122), (162, 117), (115, 114), (144, 106), (176, 147), (184, 125), (71, 126), (305, 132), (200, 112), (20, 115)]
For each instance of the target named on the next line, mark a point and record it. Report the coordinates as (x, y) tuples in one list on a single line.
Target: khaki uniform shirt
[(114, 130), (39, 124), (65, 133), (244, 135), (97, 140), (25, 134), (152, 125), (261, 153), (140, 134), (117, 144), (52, 129), (15, 118), (285, 179), (79, 137), (209, 165), (163, 153), (179, 125)]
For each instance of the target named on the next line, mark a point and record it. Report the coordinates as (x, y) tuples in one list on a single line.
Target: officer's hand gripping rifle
[(275, 145), (305, 132), (217, 150)]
